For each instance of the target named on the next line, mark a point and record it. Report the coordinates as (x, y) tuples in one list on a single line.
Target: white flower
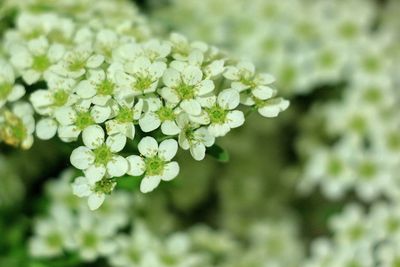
[(99, 87), (158, 114), (50, 238), (155, 162), (186, 87), (75, 119), (98, 157), (194, 138), (139, 77), (9, 91), (35, 59), (221, 113), (93, 238), (244, 77), (94, 189), (125, 118), (76, 62)]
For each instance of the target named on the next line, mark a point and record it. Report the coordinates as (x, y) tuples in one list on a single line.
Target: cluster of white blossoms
[(132, 99), (360, 239), (118, 235), (304, 44)]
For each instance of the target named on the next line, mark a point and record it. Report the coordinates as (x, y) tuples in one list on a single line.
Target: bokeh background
[(317, 186)]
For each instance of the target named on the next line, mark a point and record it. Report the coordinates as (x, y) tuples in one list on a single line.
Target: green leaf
[(218, 153)]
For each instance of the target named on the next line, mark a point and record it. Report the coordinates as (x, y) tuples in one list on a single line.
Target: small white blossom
[(155, 163), (9, 91)]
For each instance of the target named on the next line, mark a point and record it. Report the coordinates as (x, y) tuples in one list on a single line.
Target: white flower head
[(155, 163), (221, 113), (36, 58), (159, 114), (186, 87), (139, 77), (126, 115), (99, 157), (193, 137)]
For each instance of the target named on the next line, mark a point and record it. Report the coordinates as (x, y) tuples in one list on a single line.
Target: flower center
[(83, 120), (371, 64), (335, 167), (106, 87), (166, 114), (367, 170), (60, 98), (54, 240), (142, 83), (41, 63), (125, 115), (217, 114), (102, 155), (327, 59), (186, 91), (348, 30), (104, 186), (154, 166), (77, 63), (5, 90)]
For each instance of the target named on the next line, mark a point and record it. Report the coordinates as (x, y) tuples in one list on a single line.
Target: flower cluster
[(360, 239), (131, 98)]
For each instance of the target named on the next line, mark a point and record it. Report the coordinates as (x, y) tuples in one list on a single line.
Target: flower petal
[(95, 173), (95, 200), (81, 158), (167, 149), (136, 165), (171, 170), (148, 146), (118, 166), (46, 129), (116, 142), (93, 136), (149, 183)]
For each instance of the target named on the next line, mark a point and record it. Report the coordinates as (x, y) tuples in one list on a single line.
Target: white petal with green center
[(247, 66), (68, 133), (116, 142), (192, 75), (85, 89), (167, 149), (93, 136), (46, 129), (191, 106), (136, 165), (95, 173), (95, 200), (273, 107), (149, 183), (82, 157), (148, 146), (149, 122), (229, 99), (157, 69), (100, 113), (41, 99), (171, 170), (118, 166), (263, 92), (235, 118), (80, 187)]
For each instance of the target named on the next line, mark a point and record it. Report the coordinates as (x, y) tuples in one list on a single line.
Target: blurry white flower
[(9, 91)]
